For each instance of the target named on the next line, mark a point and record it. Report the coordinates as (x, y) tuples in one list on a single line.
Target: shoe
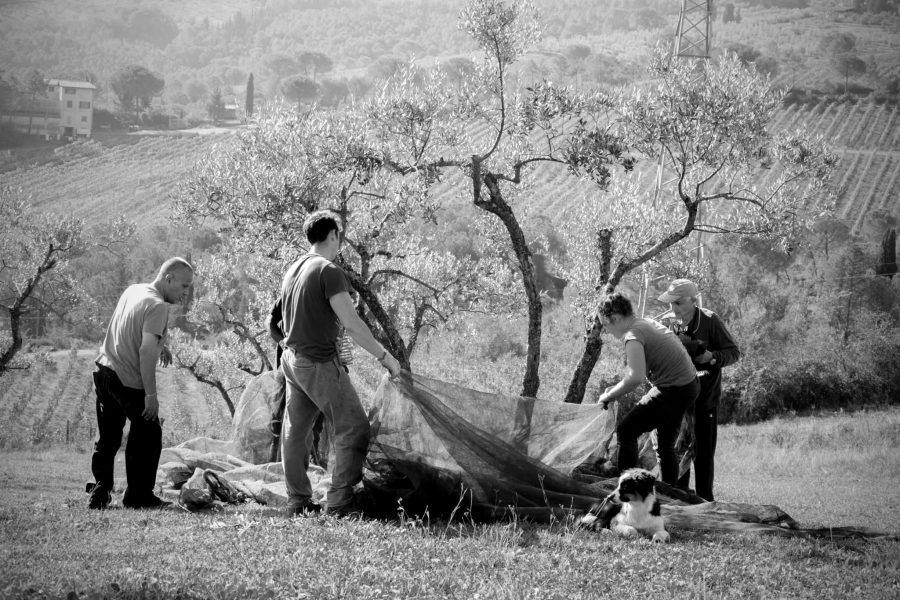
[(351, 510), (100, 497), (150, 501), (302, 507)]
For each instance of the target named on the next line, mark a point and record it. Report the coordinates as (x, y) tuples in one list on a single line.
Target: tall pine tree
[(248, 101)]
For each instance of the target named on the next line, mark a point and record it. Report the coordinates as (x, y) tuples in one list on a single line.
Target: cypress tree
[(248, 101)]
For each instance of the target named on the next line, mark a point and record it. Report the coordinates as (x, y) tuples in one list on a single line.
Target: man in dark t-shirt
[(316, 303)]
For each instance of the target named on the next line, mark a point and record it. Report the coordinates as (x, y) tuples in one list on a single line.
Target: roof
[(87, 85)]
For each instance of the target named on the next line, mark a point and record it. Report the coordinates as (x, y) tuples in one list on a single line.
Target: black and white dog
[(631, 510)]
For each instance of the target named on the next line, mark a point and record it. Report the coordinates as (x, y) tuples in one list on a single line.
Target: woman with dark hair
[(653, 353)]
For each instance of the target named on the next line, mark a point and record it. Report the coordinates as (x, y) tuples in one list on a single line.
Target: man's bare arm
[(342, 305), (149, 354)]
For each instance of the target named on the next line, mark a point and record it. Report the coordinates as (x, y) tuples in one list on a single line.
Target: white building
[(65, 110), (76, 106)]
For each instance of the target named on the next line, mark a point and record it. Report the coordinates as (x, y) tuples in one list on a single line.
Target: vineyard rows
[(137, 180), (867, 178), (860, 126), (134, 180), (54, 402)]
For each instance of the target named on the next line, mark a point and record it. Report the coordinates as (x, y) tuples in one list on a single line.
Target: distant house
[(230, 111), (76, 106), (65, 110)]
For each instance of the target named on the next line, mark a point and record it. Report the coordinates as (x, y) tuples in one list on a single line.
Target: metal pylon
[(693, 36), (692, 42)]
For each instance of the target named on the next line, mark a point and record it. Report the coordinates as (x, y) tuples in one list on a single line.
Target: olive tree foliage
[(36, 249), (261, 189), (229, 338), (423, 128), (724, 171)]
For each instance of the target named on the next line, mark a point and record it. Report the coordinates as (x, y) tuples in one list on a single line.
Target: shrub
[(155, 119), (859, 372), (104, 119)]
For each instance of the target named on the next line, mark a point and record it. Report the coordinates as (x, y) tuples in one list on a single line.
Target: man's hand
[(391, 364), (703, 358), (151, 407), (165, 357)]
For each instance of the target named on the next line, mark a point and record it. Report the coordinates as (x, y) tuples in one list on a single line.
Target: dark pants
[(115, 403), (661, 409), (705, 436)]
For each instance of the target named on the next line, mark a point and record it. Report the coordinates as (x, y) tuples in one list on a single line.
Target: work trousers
[(115, 403), (661, 409), (705, 437), (325, 387)]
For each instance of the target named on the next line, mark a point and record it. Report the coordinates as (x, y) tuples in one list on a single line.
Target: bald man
[(125, 382)]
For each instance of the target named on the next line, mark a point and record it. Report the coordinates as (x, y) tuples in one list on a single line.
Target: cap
[(680, 288)]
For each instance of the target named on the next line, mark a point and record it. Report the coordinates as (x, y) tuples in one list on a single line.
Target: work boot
[(151, 501), (100, 497), (302, 507), (351, 510)]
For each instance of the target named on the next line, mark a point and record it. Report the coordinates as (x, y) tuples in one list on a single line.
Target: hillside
[(99, 182), (197, 47), (136, 175), (136, 180)]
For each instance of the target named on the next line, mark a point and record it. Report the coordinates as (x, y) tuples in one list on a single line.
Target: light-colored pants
[(326, 387)]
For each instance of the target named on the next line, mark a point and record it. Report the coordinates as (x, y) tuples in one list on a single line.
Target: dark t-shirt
[(310, 325)]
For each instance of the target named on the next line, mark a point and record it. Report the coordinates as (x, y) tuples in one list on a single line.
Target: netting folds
[(448, 451), (449, 448)]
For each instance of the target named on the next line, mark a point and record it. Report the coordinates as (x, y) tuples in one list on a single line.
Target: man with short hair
[(125, 383), (704, 326), (315, 300)]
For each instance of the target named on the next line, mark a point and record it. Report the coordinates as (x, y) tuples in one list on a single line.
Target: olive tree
[(228, 336), (378, 163), (261, 188), (424, 128), (36, 249), (386, 166), (724, 170)]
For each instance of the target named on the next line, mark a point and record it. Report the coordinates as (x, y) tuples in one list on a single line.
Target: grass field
[(833, 470)]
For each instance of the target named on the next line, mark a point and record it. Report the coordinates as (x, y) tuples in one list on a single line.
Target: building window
[(83, 104), (68, 104), (69, 90), (84, 119), (50, 89)]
